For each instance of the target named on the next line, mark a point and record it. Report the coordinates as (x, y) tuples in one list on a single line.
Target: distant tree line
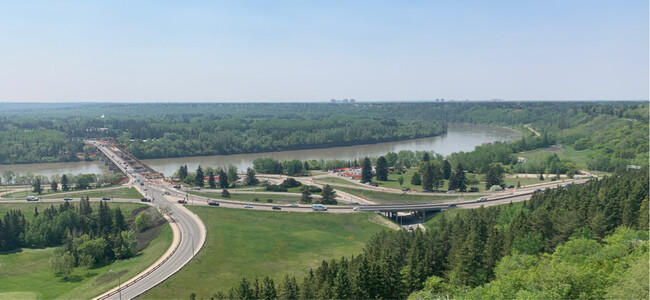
[(472, 249)]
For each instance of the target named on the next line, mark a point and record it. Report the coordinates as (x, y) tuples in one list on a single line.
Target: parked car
[(248, 206), (405, 190), (145, 200), (106, 198), (481, 199), (182, 201), (411, 228), (213, 203), (276, 208), (177, 186), (67, 198)]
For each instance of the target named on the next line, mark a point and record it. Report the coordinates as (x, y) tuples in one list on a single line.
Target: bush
[(256, 199), (276, 188), (225, 193), (143, 221), (290, 182), (269, 200)]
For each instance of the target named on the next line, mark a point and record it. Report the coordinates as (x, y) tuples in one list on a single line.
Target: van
[(318, 207)]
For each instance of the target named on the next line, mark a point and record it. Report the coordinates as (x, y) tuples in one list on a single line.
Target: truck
[(318, 207)]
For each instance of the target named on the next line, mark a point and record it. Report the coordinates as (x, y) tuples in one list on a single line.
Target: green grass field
[(126, 193), (392, 198), (565, 152), (251, 197), (26, 274), (259, 243)]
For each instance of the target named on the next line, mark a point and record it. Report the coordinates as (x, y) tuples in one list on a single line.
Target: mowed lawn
[(245, 243), (26, 274)]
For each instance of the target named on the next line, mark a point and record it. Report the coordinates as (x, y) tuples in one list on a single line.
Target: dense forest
[(583, 241), (55, 132)]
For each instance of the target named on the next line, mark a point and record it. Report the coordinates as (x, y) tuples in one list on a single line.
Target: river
[(459, 137)]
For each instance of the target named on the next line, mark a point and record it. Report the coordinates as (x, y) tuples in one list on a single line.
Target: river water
[(459, 137)]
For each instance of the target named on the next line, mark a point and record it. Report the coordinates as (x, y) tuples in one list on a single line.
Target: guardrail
[(156, 267)]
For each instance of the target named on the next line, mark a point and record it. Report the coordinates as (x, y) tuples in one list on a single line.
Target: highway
[(190, 232), (189, 237)]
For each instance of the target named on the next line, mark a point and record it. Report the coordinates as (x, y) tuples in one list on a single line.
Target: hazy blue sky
[(312, 51)]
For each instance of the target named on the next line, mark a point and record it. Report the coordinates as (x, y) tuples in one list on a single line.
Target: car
[(197, 188), (511, 186), (405, 190), (411, 228), (248, 206), (182, 201), (141, 183), (167, 193), (293, 205), (538, 190), (31, 198), (145, 200), (144, 189), (213, 203), (356, 208), (106, 198), (276, 208), (67, 198), (481, 199), (451, 191), (452, 206), (567, 184), (177, 186)]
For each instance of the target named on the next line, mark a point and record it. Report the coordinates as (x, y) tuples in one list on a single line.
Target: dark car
[(67, 198), (106, 198), (452, 205), (182, 201), (145, 200), (276, 208), (405, 190), (213, 203), (177, 186), (538, 190), (511, 186)]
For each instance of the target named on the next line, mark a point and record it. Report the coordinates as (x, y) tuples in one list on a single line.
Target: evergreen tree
[(37, 186), (199, 177), (328, 195), (289, 288), (223, 179), (182, 172), (35, 214), (415, 179), (366, 170), (250, 177), (306, 195), (426, 174), (267, 291), (232, 174), (64, 183), (54, 186), (211, 181), (425, 157), (461, 181), (446, 169), (494, 175), (382, 169)]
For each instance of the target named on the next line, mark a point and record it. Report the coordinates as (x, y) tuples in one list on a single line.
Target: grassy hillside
[(257, 243)]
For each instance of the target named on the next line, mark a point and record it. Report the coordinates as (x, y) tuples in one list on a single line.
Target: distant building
[(345, 100), (333, 100), (352, 100)]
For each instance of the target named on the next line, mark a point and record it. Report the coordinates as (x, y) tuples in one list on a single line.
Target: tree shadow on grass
[(72, 278)]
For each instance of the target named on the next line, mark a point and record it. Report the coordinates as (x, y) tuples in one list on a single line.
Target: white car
[(482, 199), (293, 205), (248, 206), (356, 208)]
